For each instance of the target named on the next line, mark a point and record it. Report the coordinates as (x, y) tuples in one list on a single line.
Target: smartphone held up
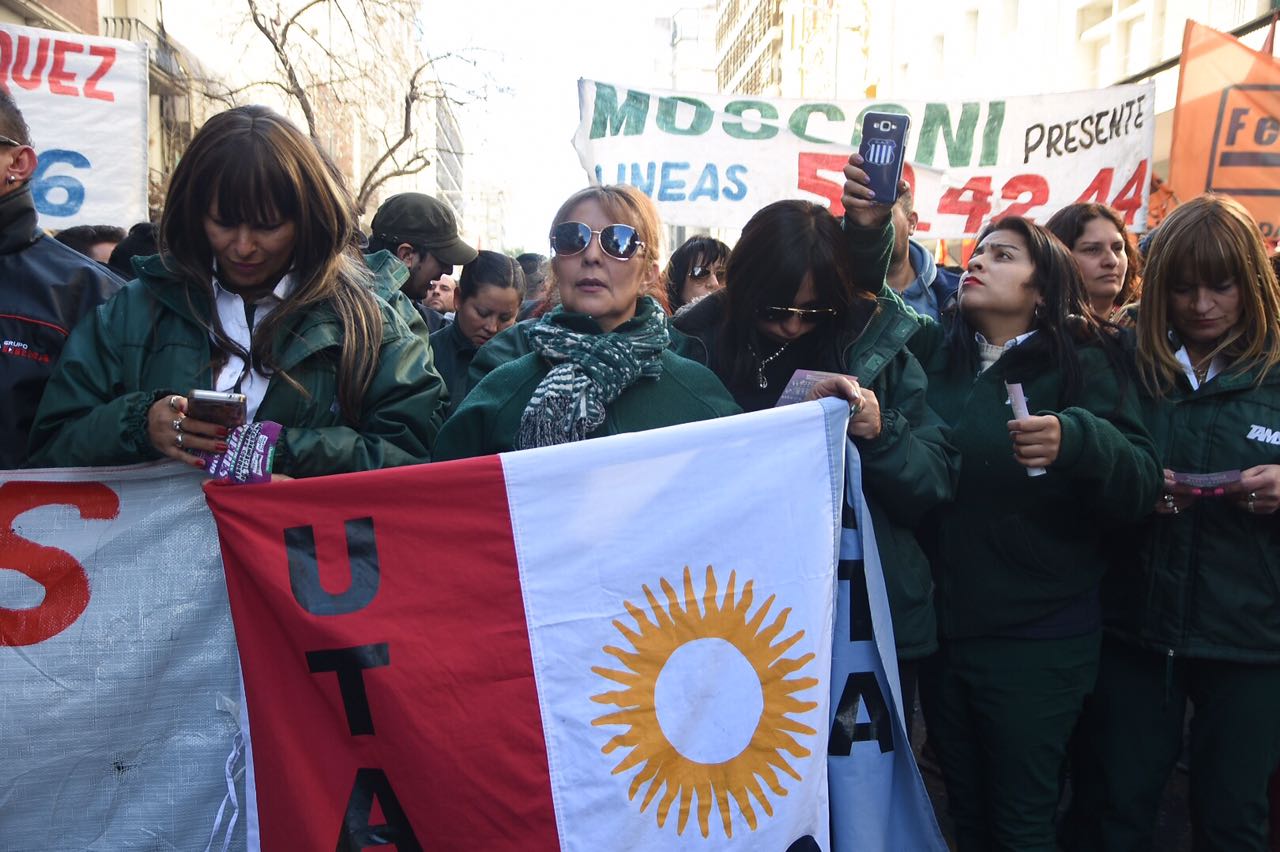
[(884, 150)]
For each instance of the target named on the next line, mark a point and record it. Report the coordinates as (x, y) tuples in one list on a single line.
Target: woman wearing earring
[(1019, 555), (599, 363), (1192, 606), (259, 288), (804, 290)]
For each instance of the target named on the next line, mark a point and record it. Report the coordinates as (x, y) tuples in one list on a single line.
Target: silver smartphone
[(225, 409)]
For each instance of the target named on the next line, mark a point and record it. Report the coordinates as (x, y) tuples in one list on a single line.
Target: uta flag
[(623, 643)]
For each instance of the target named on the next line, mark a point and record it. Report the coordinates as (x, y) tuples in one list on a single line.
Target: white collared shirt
[(1215, 367), (231, 316), (983, 361)]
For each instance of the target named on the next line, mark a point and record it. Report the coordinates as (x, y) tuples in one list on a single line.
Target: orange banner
[(1226, 128)]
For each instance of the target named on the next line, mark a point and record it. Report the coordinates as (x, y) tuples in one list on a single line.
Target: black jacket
[(45, 288)]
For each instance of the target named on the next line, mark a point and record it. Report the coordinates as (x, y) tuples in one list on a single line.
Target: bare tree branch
[(294, 86)]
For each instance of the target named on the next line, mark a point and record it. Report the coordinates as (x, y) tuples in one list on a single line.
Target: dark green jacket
[(906, 471), (488, 420), (145, 343), (1205, 583), (453, 353), (1013, 549)]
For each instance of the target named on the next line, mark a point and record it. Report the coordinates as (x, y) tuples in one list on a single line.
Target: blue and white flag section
[(878, 799), (674, 592)]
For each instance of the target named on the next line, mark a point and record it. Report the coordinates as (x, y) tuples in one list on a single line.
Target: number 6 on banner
[(42, 186)]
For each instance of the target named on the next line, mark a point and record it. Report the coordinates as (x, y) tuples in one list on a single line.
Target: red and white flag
[(623, 643)]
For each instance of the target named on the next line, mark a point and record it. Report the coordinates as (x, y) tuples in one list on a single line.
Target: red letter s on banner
[(66, 587)]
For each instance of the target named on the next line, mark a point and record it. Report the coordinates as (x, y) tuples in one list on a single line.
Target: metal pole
[(1242, 30)]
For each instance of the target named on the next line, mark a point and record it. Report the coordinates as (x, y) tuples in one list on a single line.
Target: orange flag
[(1226, 127)]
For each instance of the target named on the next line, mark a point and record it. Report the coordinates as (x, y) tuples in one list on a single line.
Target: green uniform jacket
[(144, 343), (488, 420), (1013, 548), (453, 353), (1205, 582), (907, 471)]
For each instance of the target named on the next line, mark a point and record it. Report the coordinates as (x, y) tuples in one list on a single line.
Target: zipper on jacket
[(1168, 676)]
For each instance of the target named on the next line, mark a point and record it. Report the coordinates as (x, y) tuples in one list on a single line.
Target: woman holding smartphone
[(1019, 555), (805, 290), (1192, 605), (259, 289)]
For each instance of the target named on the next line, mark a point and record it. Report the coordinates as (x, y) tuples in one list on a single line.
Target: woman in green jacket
[(488, 300), (259, 289), (1018, 556), (1192, 606), (599, 363), (805, 290)]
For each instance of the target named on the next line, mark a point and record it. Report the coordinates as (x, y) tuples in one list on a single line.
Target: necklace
[(761, 380), (1201, 372)]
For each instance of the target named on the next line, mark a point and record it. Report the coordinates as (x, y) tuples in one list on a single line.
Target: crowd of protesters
[(1062, 584)]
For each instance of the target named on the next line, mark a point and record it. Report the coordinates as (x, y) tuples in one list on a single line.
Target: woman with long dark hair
[(1192, 605), (805, 290), (1110, 266), (1018, 556), (259, 288)]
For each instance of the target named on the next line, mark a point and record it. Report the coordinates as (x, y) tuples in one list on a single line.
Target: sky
[(534, 53)]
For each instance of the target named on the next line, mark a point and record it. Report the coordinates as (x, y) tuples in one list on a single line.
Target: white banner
[(119, 716), (713, 160), (85, 99)]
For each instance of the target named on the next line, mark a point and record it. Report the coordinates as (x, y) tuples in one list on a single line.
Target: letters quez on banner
[(713, 160)]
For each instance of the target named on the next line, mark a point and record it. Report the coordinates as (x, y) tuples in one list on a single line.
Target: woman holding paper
[(1193, 604), (805, 291), (259, 289), (1018, 558)]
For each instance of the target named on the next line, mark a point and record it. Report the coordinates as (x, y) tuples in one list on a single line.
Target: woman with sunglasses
[(1192, 605), (260, 290), (599, 363), (806, 291), (694, 270), (1018, 557)]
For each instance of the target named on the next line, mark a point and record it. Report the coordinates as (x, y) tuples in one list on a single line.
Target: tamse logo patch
[(1246, 142), (1264, 435)]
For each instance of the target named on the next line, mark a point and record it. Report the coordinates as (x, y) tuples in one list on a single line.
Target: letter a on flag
[(623, 643)]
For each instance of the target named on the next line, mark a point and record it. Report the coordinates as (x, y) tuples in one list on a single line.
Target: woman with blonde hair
[(259, 289), (1192, 603), (600, 362)]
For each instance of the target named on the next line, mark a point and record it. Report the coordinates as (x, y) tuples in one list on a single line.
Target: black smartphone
[(884, 150), (225, 409)]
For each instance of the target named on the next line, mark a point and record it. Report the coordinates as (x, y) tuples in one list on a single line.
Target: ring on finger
[(1169, 504), (178, 441), (173, 402), (1249, 504), (1174, 508), (856, 407), (177, 424)]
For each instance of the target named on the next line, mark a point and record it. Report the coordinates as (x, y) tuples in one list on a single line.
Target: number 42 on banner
[(973, 199)]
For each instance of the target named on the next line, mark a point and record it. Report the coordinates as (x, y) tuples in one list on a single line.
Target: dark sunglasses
[(620, 242), (776, 314), (700, 272), (5, 140)]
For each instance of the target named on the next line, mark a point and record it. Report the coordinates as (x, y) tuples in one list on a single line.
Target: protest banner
[(713, 160), (588, 651), (496, 653), (1226, 125), (119, 711), (86, 101)]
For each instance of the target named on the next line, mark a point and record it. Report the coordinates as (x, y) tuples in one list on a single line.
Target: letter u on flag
[(618, 644)]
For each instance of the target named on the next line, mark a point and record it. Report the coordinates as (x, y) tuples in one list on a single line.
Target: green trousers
[(1131, 734), (1000, 713)]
